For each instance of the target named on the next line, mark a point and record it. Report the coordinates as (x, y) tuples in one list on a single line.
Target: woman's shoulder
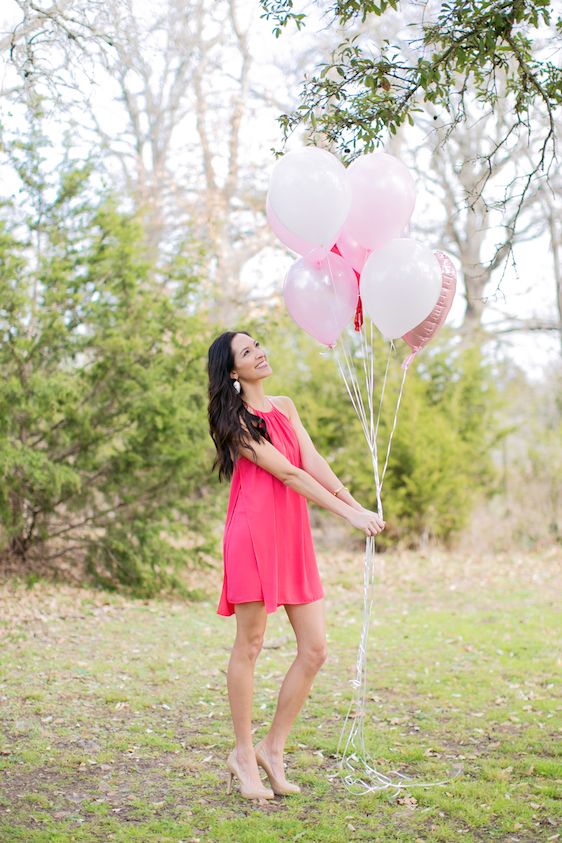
[(283, 403)]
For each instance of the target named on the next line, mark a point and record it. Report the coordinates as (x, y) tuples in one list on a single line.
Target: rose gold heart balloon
[(419, 336)]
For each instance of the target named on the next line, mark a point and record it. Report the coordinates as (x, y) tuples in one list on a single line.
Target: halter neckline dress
[(268, 551)]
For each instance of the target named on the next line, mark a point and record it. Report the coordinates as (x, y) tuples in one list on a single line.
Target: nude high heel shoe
[(280, 788), (247, 793)]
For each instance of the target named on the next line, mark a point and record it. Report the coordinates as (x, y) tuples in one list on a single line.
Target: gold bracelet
[(338, 490)]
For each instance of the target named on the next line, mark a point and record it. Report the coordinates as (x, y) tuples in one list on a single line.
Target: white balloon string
[(360, 775), (383, 387), (349, 377), (393, 425), (378, 480), (369, 372), (366, 357), (350, 380), (356, 398), (347, 381), (371, 378)]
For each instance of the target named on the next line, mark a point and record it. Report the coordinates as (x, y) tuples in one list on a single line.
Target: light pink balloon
[(352, 251), (426, 330), (383, 196), (321, 296), (292, 241)]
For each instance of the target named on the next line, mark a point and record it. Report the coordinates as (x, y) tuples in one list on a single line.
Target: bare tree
[(480, 205), (184, 84), (44, 41), (550, 204), (180, 89)]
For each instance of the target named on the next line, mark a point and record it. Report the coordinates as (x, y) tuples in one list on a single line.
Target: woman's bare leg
[(250, 627), (308, 623)]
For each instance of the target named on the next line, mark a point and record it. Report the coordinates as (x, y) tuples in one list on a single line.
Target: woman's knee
[(314, 654), (250, 644)]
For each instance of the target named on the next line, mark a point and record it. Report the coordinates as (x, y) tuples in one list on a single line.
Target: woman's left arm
[(313, 462)]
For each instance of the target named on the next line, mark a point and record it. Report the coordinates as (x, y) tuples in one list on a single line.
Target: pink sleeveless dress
[(267, 547)]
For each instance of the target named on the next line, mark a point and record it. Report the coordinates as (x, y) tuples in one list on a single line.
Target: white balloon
[(400, 285), (310, 194)]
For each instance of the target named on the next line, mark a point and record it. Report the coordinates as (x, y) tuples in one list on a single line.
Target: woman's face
[(250, 361)]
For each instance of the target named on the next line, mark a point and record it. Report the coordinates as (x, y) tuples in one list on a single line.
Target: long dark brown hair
[(226, 408)]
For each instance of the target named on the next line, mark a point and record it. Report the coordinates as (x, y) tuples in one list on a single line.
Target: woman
[(269, 558)]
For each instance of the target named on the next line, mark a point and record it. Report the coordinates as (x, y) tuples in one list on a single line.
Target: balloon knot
[(358, 314), (409, 359)]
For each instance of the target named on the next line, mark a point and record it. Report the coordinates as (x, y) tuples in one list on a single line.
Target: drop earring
[(236, 385)]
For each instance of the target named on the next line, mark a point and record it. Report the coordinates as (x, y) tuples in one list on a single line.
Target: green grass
[(115, 722)]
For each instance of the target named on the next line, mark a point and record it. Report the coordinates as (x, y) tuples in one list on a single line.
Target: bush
[(102, 432)]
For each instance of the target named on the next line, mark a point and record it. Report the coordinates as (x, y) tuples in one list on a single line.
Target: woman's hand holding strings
[(370, 522)]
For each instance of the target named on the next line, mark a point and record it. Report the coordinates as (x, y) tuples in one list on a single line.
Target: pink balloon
[(419, 337), (321, 296), (351, 250), (292, 241), (383, 195)]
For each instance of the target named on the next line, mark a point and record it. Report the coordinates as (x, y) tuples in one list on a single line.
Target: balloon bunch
[(348, 227)]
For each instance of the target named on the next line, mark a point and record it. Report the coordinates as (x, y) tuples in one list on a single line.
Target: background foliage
[(128, 241), (103, 437)]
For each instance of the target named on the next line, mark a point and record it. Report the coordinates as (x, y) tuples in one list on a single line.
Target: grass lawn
[(115, 721)]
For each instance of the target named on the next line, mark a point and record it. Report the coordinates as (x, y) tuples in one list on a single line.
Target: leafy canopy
[(455, 49)]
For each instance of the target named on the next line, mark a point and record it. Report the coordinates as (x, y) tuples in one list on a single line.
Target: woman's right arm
[(269, 458)]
